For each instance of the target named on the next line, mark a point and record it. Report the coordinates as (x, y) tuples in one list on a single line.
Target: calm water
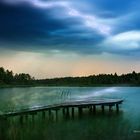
[(104, 127)]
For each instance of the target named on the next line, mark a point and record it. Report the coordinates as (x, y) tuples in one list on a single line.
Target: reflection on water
[(99, 93), (121, 127)]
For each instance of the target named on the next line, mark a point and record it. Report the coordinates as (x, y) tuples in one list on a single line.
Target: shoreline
[(102, 85)]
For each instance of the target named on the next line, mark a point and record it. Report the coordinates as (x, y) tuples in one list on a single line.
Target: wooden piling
[(56, 112), (63, 111), (110, 108), (80, 111), (49, 111), (26, 117), (90, 109), (117, 108), (72, 112), (33, 118), (67, 113), (43, 114), (103, 109), (94, 109), (21, 119)]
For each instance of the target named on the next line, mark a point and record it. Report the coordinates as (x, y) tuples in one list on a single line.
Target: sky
[(59, 38)]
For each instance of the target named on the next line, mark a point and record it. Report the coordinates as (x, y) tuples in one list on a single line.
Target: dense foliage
[(94, 80), (8, 78)]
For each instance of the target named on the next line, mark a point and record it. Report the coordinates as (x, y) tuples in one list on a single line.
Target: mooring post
[(21, 119), (72, 112), (110, 108), (49, 111), (94, 109), (33, 118), (103, 108), (43, 114), (80, 111), (117, 108), (63, 111), (4, 118), (56, 112), (90, 109), (26, 117), (68, 113)]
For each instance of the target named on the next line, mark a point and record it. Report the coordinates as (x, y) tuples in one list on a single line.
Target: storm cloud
[(85, 26)]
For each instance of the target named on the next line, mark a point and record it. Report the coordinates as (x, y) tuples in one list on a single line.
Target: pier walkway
[(67, 107)]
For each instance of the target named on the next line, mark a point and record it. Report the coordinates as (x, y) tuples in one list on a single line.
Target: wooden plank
[(83, 103)]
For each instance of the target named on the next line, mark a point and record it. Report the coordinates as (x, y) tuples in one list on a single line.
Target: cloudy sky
[(54, 38)]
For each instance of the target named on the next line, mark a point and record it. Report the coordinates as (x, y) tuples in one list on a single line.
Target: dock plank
[(78, 103)]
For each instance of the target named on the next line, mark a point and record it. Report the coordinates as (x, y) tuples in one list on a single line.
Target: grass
[(89, 127)]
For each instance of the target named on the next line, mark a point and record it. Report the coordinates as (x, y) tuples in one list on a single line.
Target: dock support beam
[(80, 111), (33, 117), (110, 108), (72, 112), (90, 109), (43, 115), (49, 111), (67, 113), (63, 111), (56, 114), (26, 117), (103, 109), (94, 109), (117, 108), (21, 119)]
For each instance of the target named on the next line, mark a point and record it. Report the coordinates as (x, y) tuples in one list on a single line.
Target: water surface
[(122, 126)]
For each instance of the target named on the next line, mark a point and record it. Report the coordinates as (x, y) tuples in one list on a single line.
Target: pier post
[(72, 112), (56, 112), (110, 108), (80, 111), (43, 114), (117, 108), (26, 117), (63, 111), (90, 109), (67, 113), (49, 113), (103, 109), (94, 109), (33, 117), (21, 119)]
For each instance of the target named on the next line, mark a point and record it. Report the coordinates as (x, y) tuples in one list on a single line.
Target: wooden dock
[(67, 108)]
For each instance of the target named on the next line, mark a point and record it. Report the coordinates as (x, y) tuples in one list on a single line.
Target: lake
[(123, 126)]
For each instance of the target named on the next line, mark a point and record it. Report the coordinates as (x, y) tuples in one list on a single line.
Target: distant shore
[(102, 85), (8, 79)]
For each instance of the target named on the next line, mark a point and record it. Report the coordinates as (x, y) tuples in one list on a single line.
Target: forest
[(95, 80), (9, 78)]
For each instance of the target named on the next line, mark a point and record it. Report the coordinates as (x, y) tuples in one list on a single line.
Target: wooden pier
[(67, 108)]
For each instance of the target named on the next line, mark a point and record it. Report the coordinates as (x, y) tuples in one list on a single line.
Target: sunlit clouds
[(124, 41), (62, 65)]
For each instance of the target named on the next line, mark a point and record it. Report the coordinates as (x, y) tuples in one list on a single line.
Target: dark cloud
[(25, 23), (65, 25)]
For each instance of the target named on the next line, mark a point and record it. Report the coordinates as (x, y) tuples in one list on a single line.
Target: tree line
[(94, 80), (9, 78)]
